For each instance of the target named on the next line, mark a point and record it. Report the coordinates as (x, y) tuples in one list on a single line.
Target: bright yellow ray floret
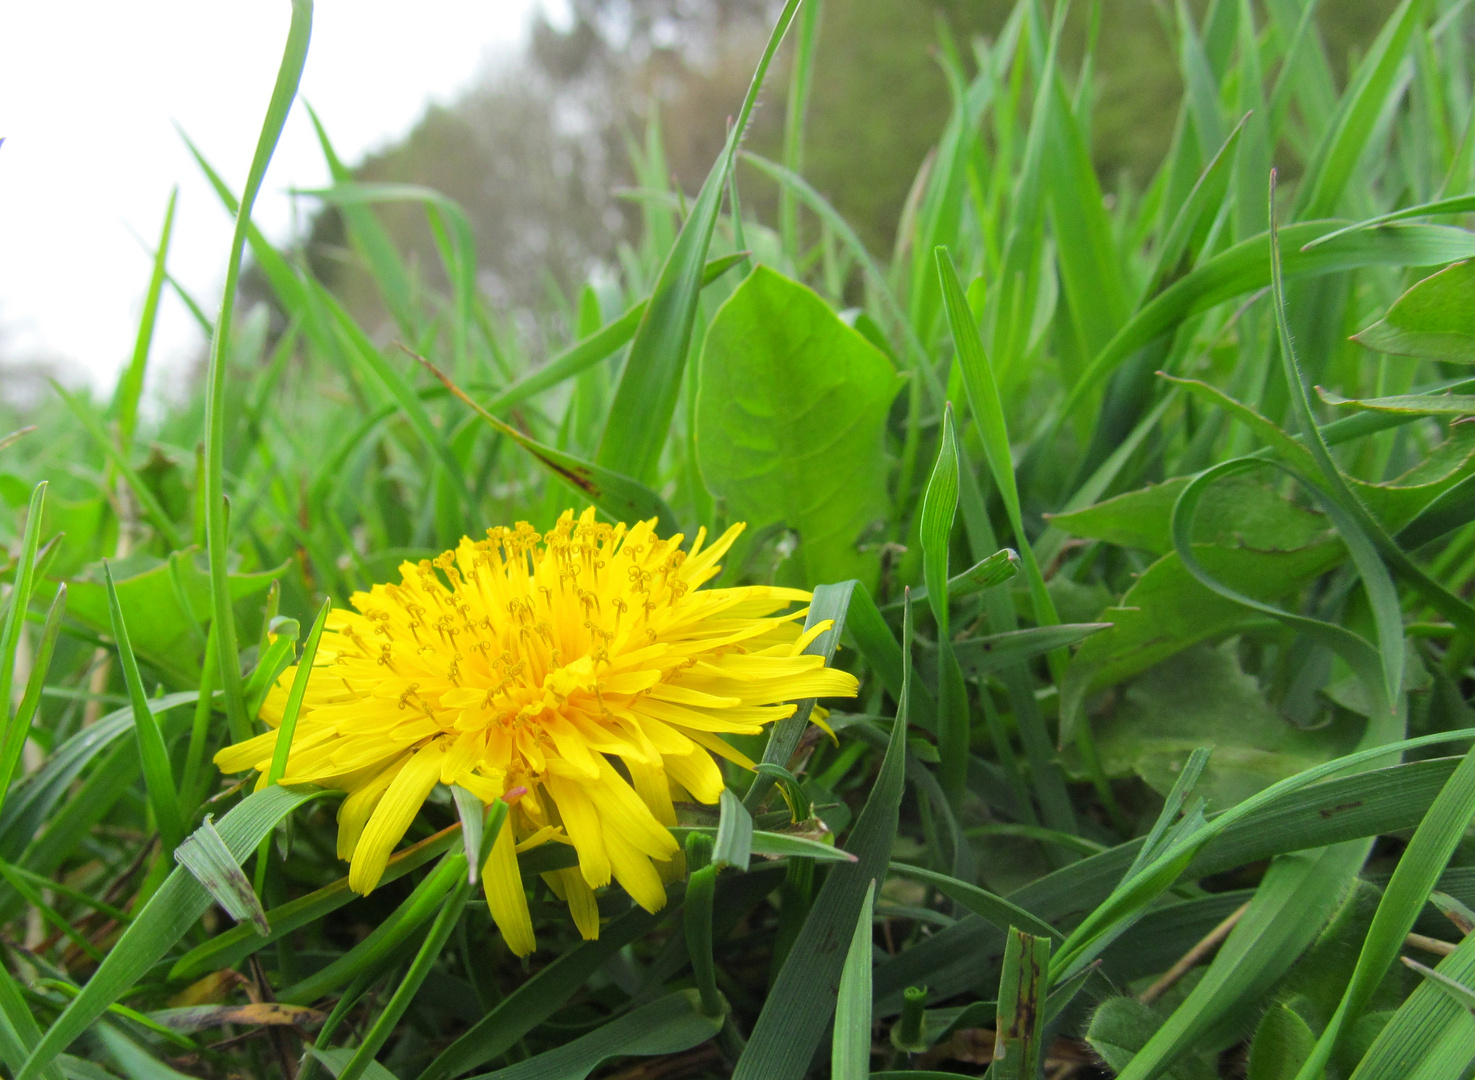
[(586, 667)]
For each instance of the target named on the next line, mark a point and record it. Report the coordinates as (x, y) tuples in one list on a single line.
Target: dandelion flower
[(587, 667)]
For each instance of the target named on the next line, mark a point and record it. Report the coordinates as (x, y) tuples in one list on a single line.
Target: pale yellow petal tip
[(817, 717)]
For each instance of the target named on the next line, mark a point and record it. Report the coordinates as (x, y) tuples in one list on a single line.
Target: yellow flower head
[(587, 667)]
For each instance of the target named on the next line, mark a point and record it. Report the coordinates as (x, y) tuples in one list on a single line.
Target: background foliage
[(1161, 790)]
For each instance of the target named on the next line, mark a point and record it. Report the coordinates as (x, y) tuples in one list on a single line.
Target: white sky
[(90, 91)]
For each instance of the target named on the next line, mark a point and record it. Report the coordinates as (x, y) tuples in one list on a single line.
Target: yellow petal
[(721, 747), (633, 870), (581, 821), (354, 811), (574, 891), (506, 900), (248, 754), (387, 825), (698, 774), (622, 812)]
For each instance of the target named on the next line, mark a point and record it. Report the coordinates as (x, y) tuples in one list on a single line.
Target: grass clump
[(1139, 523)]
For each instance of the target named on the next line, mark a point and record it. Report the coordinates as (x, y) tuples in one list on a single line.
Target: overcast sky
[(89, 95)]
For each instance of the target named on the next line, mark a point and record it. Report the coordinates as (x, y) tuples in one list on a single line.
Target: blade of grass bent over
[(622, 498), (164, 920)]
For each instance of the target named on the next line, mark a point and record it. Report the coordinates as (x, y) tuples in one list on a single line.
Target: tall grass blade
[(645, 399), (158, 774), (289, 74)]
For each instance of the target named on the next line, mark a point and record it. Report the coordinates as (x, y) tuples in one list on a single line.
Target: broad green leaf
[(1282, 1042), (1239, 512), (159, 627), (1167, 609), (1121, 1026), (1435, 319), (1202, 698), (791, 411)]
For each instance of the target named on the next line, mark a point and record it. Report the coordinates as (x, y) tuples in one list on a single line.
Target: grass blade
[(1021, 992), (205, 855), (167, 917), (622, 498), (158, 775), (289, 74), (850, 1053), (802, 1000), (646, 397)]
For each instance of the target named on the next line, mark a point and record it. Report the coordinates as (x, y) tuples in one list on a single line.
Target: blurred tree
[(537, 153)]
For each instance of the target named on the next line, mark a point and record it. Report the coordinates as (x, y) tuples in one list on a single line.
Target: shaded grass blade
[(850, 1052), (800, 1005)]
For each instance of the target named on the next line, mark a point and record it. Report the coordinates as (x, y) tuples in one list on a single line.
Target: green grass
[(1224, 667)]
